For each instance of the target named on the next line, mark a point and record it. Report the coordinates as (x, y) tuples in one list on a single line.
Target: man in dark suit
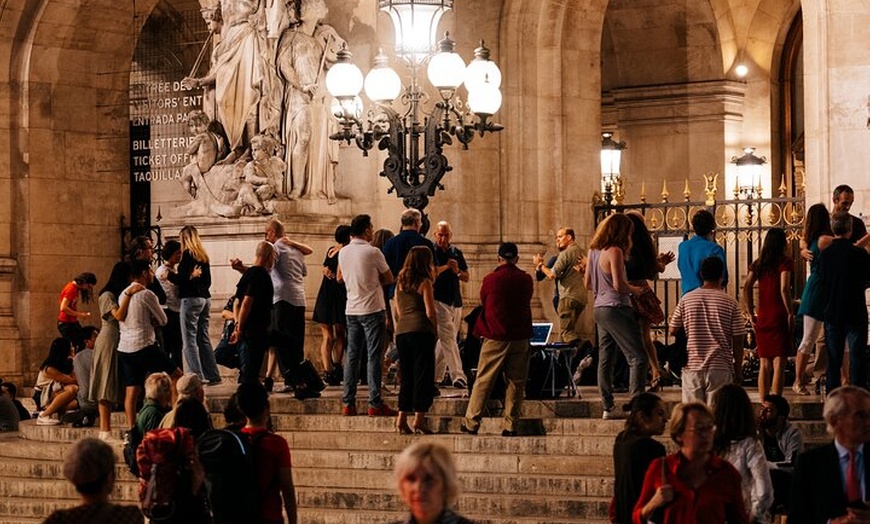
[(832, 482)]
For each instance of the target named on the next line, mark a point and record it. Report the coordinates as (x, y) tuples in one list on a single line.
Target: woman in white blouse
[(736, 442)]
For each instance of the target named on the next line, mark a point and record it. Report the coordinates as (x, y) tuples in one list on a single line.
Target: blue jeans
[(618, 327), (365, 335), (252, 349), (836, 336), (195, 344)]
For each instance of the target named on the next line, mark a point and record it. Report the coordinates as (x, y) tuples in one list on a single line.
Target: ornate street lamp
[(749, 170), (414, 169), (611, 156)]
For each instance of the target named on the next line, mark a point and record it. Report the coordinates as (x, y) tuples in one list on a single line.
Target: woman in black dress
[(329, 311)]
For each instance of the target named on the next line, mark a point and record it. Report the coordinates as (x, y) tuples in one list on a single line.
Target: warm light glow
[(611, 156), (415, 23), (382, 84), (479, 72), (446, 70), (484, 100), (344, 80), (741, 70), (610, 159), (749, 171)]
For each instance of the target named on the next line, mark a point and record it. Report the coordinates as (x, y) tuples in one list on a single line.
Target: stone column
[(836, 79), (10, 341)]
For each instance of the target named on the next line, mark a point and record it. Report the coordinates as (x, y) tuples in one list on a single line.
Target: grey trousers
[(619, 327)]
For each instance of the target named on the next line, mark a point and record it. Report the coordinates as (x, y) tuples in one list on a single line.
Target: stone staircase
[(561, 472)]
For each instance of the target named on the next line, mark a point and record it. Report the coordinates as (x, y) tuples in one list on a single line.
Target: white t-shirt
[(173, 303), (137, 329), (361, 267), (288, 275)]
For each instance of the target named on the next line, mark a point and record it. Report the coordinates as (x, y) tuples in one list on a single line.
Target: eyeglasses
[(702, 429)]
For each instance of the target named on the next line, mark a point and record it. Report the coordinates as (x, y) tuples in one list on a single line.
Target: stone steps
[(559, 471), (361, 516)]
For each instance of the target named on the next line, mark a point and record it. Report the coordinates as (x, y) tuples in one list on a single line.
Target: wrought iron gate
[(741, 224)]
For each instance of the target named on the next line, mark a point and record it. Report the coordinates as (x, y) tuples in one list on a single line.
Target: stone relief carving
[(263, 133)]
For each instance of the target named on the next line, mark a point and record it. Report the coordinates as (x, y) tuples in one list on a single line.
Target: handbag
[(647, 304), (227, 354)]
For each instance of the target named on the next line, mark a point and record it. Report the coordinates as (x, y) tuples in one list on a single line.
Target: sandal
[(655, 385)]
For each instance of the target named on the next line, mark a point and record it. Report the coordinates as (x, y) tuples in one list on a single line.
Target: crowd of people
[(399, 296)]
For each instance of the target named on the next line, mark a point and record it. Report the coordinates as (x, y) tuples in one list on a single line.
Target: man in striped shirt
[(715, 328)]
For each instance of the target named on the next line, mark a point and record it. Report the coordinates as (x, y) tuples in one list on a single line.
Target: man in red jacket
[(505, 326)]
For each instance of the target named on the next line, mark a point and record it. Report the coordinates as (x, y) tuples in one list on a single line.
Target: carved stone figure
[(262, 178), (269, 98), (203, 151), (305, 51), (242, 74)]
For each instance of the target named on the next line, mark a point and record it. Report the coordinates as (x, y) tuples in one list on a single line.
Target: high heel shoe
[(422, 429), (655, 385), (403, 428)]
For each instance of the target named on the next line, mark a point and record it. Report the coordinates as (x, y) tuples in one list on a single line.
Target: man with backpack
[(271, 456)]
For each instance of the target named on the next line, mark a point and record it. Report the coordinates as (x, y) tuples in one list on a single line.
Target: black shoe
[(445, 382), (302, 394), (509, 433), (464, 429), (436, 393), (269, 383)]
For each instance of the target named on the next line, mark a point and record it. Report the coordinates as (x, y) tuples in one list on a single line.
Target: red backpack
[(166, 458)]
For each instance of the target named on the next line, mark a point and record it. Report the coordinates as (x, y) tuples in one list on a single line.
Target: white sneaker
[(799, 388), (50, 420), (608, 414)]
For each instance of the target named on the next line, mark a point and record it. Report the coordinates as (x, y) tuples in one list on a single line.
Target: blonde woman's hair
[(158, 385), (614, 231), (190, 241), (435, 458)]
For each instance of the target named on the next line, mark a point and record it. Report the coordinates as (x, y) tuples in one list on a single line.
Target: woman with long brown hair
[(817, 236), (645, 264), (416, 334), (735, 440), (194, 280), (616, 320), (775, 321)]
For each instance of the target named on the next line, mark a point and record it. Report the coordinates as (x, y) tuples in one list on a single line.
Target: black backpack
[(131, 444), (230, 474)]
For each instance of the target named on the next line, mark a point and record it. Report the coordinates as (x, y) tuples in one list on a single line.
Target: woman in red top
[(68, 319), (775, 321), (693, 485)]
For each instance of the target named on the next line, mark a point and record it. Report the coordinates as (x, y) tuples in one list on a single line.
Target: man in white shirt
[(364, 271), (288, 309), (138, 354)]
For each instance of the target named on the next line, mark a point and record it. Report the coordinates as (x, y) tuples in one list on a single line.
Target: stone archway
[(550, 54), (67, 156)]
